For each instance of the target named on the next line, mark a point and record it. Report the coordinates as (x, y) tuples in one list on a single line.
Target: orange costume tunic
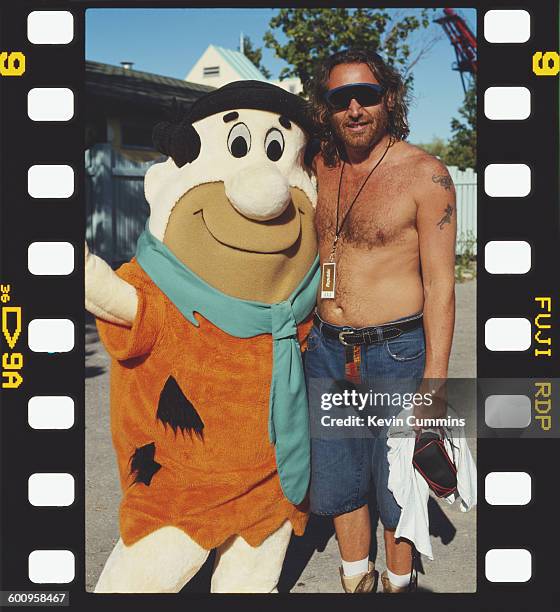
[(212, 482)]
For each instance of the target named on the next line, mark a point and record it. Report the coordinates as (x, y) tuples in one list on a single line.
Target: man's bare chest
[(382, 214)]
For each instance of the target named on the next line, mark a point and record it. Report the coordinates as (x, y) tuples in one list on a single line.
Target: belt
[(367, 335)]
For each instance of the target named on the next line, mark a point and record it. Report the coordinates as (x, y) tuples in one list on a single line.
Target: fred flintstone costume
[(203, 326)]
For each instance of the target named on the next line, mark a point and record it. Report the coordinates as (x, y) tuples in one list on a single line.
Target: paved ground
[(312, 560)]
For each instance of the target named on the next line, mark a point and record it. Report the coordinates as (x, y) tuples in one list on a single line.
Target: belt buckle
[(341, 339)]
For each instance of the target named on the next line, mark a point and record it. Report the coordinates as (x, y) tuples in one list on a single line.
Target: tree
[(255, 56), (313, 34), (437, 147), (462, 144)]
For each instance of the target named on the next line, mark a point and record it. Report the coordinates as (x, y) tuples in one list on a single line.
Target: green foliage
[(255, 56), (462, 145), (437, 147), (465, 261), (313, 34), (461, 149)]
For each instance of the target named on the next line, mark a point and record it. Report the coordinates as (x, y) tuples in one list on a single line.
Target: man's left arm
[(437, 229)]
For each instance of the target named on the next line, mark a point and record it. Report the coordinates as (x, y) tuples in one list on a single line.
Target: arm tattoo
[(446, 217), (444, 180)]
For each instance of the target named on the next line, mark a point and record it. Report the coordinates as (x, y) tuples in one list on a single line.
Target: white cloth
[(411, 491)]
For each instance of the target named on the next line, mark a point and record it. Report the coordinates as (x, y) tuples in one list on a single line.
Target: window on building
[(210, 71), (292, 88)]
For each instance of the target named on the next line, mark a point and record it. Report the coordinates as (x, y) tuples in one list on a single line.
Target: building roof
[(240, 63), (116, 85)]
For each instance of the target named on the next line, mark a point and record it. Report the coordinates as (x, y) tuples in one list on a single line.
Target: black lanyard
[(339, 229)]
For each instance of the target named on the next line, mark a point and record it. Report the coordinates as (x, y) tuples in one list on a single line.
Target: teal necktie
[(288, 422)]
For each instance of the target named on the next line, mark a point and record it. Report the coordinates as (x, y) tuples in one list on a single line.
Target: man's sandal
[(361, 583), (389, 587)]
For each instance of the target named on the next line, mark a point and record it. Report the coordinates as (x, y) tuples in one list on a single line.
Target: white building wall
[(228, 74), (212, 57), (293, 85)]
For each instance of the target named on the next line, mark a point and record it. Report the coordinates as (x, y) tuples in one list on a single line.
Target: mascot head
[(234, 201)]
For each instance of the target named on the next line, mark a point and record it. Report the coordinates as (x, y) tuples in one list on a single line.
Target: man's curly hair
[(395, 99)]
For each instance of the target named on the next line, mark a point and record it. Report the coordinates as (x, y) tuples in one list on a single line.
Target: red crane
[(463, 41)]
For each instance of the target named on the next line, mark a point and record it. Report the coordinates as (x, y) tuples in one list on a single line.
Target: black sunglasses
[(366, 94)]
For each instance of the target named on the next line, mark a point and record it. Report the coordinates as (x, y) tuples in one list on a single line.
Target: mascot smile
[(208, 403)]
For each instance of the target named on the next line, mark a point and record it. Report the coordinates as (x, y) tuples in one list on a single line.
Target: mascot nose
[(260, 192)]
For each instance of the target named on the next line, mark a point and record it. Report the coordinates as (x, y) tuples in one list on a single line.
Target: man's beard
[(375, 128)]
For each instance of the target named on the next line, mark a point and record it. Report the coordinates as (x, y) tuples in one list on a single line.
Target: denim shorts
[(345, 470)]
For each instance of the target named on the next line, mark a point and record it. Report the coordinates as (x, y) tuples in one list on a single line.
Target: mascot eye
[(239, 140), (274, 144)]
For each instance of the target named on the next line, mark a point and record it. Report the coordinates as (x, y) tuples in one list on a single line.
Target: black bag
[(434, 464)]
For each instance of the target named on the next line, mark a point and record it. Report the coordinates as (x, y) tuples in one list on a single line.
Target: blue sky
[(169, 41)]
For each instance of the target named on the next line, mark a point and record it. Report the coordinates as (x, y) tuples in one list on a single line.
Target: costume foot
[(361, 583)]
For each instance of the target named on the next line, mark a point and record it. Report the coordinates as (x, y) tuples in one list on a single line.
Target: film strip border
[(42, 234), (42, 216), (518, 228)]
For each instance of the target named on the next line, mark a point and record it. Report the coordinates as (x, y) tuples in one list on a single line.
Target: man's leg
[(340, 465), (398, 554), (340, 477), (241, 568), (162, 562), (353, 532), (401, 367)]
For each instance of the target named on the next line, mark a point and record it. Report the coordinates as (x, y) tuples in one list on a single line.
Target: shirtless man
[(386, 223)]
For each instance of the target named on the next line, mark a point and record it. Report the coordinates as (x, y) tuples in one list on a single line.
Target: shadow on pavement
[(200, 582), (317, 534), (440, 526)]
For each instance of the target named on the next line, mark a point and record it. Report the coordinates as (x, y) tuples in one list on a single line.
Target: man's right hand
[(438, 408)]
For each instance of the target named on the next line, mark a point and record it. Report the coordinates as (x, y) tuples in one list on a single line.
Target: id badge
[(328, 279)]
